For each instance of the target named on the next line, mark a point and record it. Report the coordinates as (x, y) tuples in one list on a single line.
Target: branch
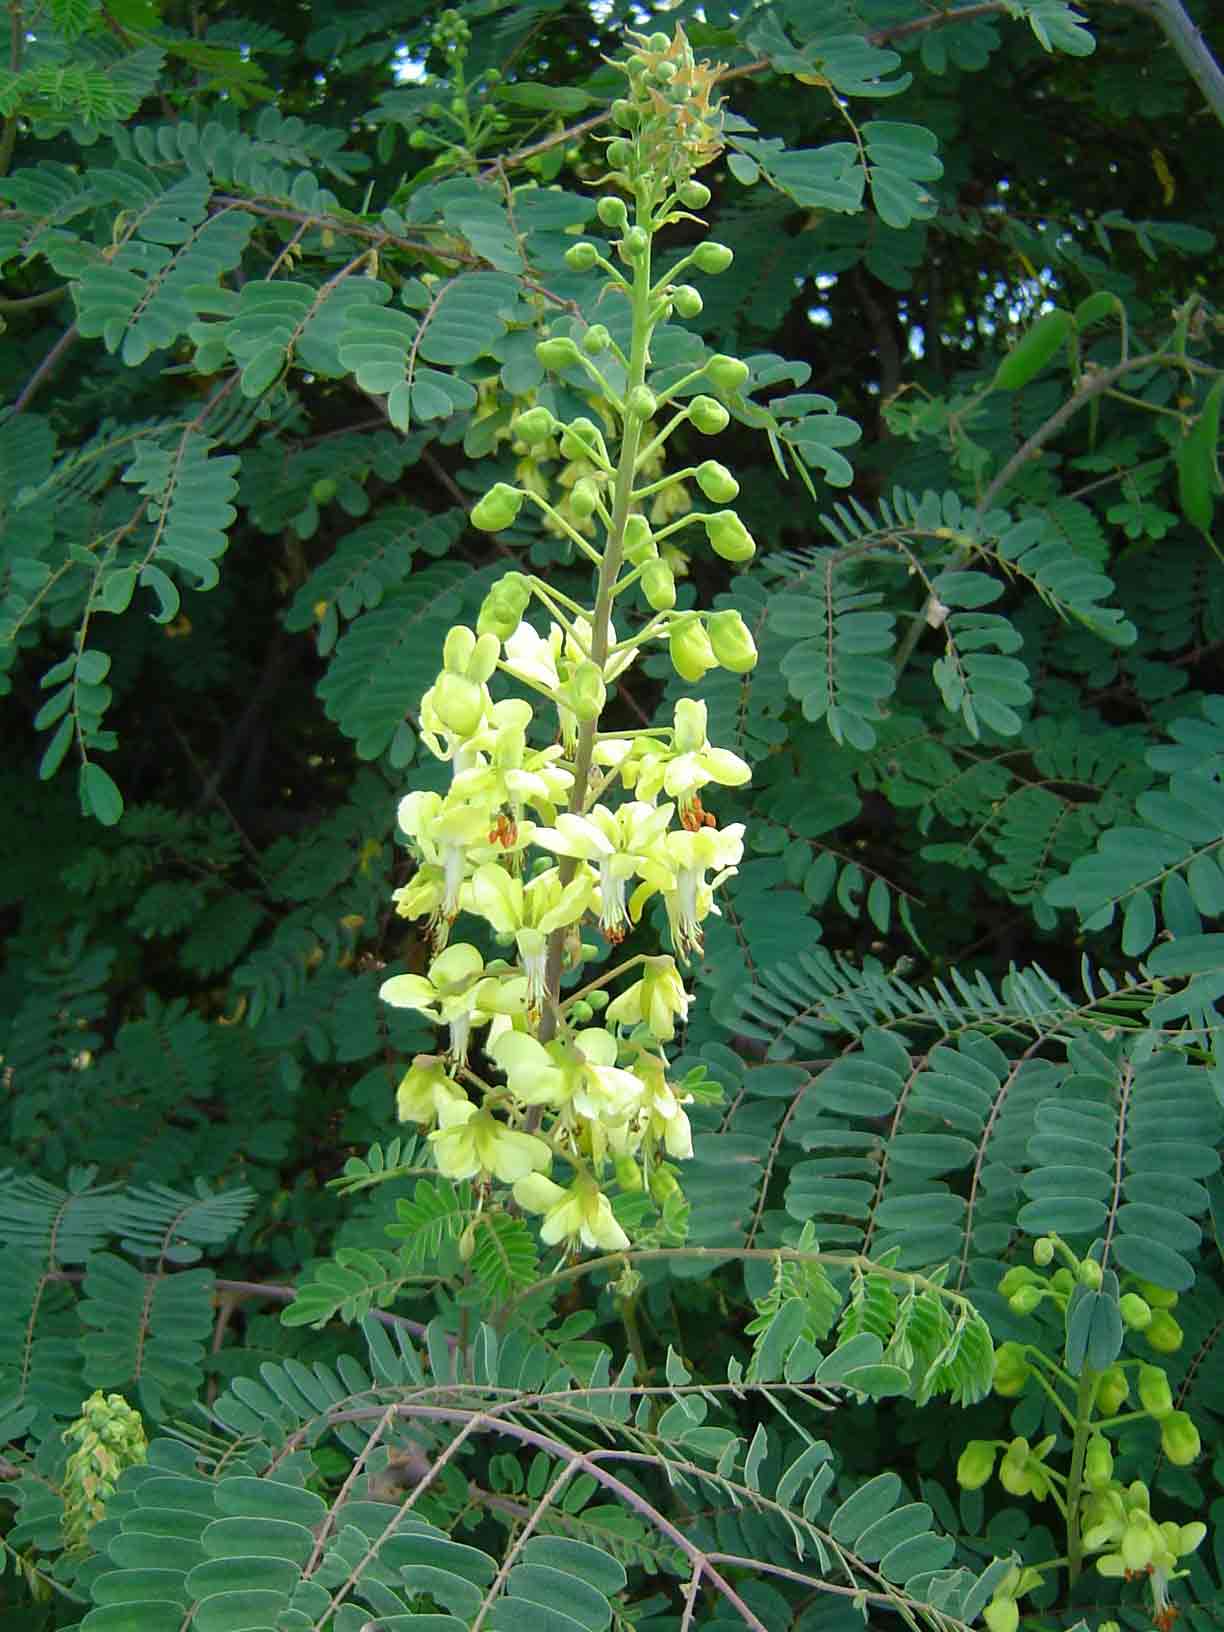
[(1171, 17), (40, 375)]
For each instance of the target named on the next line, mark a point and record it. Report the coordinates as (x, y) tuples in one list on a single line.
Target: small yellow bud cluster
[(109, 1437)]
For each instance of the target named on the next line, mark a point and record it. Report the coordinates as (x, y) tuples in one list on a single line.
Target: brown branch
[(46, 368)]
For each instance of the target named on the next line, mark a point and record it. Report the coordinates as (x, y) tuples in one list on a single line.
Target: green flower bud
[(1011, 1370), (625, 115), (1158, 1296), (642, 402), (457, 649), (1090, 1274), (659, 586), (716, 482), (1112, 1391), (691, 652), (1017, 1276), (634, 244), (731, 641), (1024, 1300), (1098, 1463), (658, 42), (1163, 1333), (596, 340), (976, 1464), (536, 425), (628, 1174), (498, 616), (1063, 1281), (419, 139), (663, 1183), (583, 498), (665, 72), (694, 195), (708, 416), (324, 490), (619, 153), (467, 1243), (583, 440), (728, 536), (1155, 1395), (458, 703), (639, 541), (498, 509), (612, 211), (726, 374), (483, 660), (1135, 1311), (557, 354), (1043, 1251), (712, 258), (686, 300), (581, 257), (580, 1013), (585, 693), (598, 999), (1179, 1439)]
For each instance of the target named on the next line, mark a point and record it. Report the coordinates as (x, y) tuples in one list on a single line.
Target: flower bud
[(728, 536), (457, 648), (694, 195), (612, 212), (1090, 1274), (598, 999), (583, 498), (1179, 1439), (536, 425), (580, 1013), (1002, 1615), (585, 694), (639, 541), (1135, 1311), (716, 482), (1158, 1296), (976, 1464), (582, 439), (658, 42), (596, 340), (498, 509), (663, 1183), (690, 649), (628, 1174), (467, 1243), (708, 416), (1011, 1370), (1017, 1276), (659, 587), (1163, 1333), (731, 641), (634, 244), (712, 258), (1112, 1391), (458, 703), (557, 353), (1098, 1463), (1024, 1300), (619, 153), (581, 257), (1155, 1396), (686, 301), (726, 374), (483, 661), (625, 115), (641, 402), (1043, 1251)]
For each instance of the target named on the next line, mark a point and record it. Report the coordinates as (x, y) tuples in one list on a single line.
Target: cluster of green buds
[(533, 842), (109, 1437), (1103, 1516), (460, 131)]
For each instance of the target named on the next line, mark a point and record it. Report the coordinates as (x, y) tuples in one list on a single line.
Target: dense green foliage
[(272, 294)]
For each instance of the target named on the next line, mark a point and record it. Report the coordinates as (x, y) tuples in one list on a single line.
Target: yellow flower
[(425, 1089), (581, 1213), (471, 1143)]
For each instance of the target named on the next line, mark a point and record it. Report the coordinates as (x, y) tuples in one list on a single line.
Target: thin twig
[(49, 363)]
